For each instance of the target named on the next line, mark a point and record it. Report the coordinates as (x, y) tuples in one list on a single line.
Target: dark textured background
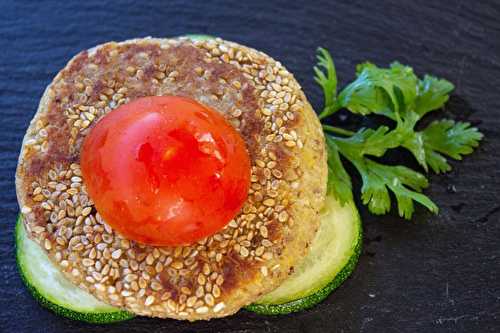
[(436, 274)]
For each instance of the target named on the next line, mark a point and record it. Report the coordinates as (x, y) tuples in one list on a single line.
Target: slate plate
[(436, 274)]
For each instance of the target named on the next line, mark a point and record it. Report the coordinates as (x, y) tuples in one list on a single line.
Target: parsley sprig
[(398, 94)]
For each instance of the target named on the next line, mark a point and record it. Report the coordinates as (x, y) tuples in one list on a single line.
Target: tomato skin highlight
[(165, 170)]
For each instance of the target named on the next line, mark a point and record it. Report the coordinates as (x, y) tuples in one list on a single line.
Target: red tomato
[(165, 170)]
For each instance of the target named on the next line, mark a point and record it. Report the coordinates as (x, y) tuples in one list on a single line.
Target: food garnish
[(399, 95)]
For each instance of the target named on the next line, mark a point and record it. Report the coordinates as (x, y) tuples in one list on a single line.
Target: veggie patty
[(220, 274)]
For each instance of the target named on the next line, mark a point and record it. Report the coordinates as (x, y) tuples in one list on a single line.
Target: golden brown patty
[(222, 273)]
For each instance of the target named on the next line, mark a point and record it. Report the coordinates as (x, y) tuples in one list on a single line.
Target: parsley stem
[(338, 130), (324, 114)]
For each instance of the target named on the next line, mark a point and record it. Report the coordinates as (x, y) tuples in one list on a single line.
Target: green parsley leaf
[(446, 137), (369, 141), (384, 91), (410, 139), (339, 183), (432, 94), (326, 77), (378, 178), (397, 93)]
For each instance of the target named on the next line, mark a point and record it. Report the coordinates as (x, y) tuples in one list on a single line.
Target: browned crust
[(285, 141)]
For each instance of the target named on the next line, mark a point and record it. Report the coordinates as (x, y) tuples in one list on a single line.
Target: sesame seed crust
[(222, 273)]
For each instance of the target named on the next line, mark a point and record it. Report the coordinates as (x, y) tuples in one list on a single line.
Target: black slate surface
[(436, 274)]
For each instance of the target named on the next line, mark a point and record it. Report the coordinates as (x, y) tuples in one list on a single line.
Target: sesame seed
[(199, 70), (200, 291), (177, 264), (131, 70), (236, 113), (171, 305), (266, 243), (177, 252), (133, 265), (159, 267), (186, 252), (149, 300), (237, 84), (97, 276), (209, 299), (87, 262), (269, 202), (283, 216), (76, 179), (47, 244), (191, 301), (86, 211), (116, 254), (150, 259), (37, 198), (208, 286), (160, 75), (156, 286), (244, 252), (79, 86), (260, 163), (130, 277), (219, 307), (206, 269), (185, 290), (202, 310), (201, 279), (266, 112), (219, 281), (271, 164), (263, 231), (277, 173), (26, 210), (107, 238), (216, 292)]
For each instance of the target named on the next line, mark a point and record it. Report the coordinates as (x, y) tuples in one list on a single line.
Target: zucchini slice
[(331, 259), (49, 286)]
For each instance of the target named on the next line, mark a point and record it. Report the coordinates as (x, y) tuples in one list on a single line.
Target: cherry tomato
[(165, 170)]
